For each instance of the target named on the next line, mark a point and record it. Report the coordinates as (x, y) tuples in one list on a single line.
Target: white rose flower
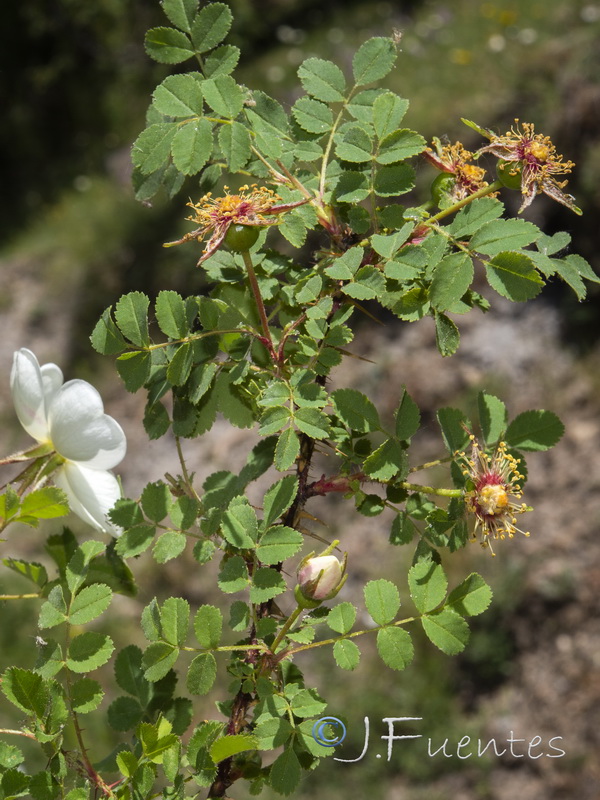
[(70, 418)]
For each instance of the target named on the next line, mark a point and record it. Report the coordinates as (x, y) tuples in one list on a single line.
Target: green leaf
[(355, 410), (106, 337), (285, 773), (452, 422), (351, 187), (152, 148), (346, 654), (355, 145), (382, 600), (77, 568), (223, 95), (312, 422), (156, 500), (201, 674), (86, 695), (428, 585), (235, 143), (279, 498), (393, 181), (388, 112), (307, 703), (131, 314), (513, 275), (54, 611), (240, 526), (447, 336), (399, 145), (503, 234), (368, 284), (157, 660), (388, 460), (29, 569), (170, 312), (447, 630), (279, 543), (179, 96), (46, 503), (228, 746), (88, 651), (395, 647), (266, 584), (233, 576), (180, 12), (322, 79), (471, 597), (125, 713), (211, 26), (175, 618), (344, 267), (134, 369), (26, 690), (231, 402), (451, 279), (474, 216), (341, 618), (534, 430), (91, 602), (168, 46), (373, 60), (135, 540), (287, 450), (312, 115), (169, 545), (403, 530), (192, 146), (10, 756), (408, 417), (222, 61), (492, 417), (208, 625)]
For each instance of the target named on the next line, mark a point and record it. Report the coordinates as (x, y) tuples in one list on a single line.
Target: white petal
[(81, 431), (32, 390), (91, 494)]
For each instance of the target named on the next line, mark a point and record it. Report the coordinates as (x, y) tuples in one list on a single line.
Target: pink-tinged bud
[(320, 578)]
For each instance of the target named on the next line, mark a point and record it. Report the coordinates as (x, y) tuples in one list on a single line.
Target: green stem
[(335, 639), (28, 734), (437, 463), (259, 302), (416, 487), (286, 626), (493, 187), (19, 596)]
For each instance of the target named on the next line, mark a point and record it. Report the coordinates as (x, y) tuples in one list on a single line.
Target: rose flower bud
[(320, 578)]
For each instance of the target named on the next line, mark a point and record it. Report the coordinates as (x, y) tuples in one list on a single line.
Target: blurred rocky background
[(75, 84)]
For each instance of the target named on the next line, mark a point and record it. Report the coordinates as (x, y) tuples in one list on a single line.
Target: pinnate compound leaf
[(534, 430), (382, 600), (169, 545), (233, 576), (514, 276), (287, 450), (346, 654), (134, 369), (168, 45), (235, 143), (504, 234), (279, 543), (201, 674), (447, 630), (222, 61), (266, 584), (158, 659), (223, 95), (192, 146), (471, 597), (395, 647), (89, 603), (174, 619), (322, 79), (211, 26), (25, 689), (106, 337), (373, 60), (399, 145), (152, 148), (88, 651), (451, 279), (474, 216), (208, 626), (388, 460), (428, 585), (54, 611), (408, 417), (240, 526), (492, 417), (388, 112)]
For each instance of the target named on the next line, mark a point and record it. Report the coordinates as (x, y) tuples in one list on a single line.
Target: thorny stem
[(259, 303)]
